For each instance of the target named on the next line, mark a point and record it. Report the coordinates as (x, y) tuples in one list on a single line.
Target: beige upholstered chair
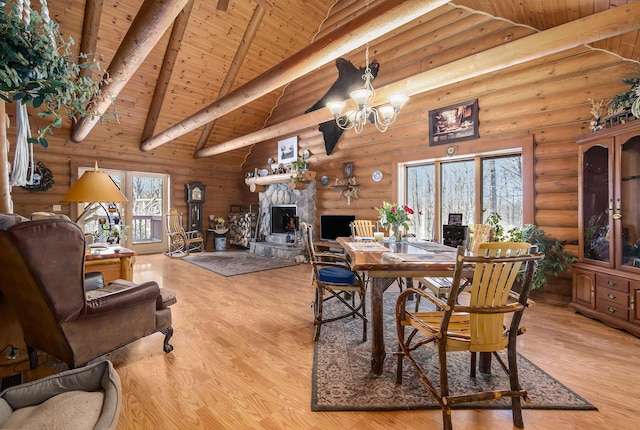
[(182, 242), (332, 276), (477, 327)]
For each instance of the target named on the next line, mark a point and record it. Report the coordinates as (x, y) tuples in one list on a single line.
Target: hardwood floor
[(243, 357)]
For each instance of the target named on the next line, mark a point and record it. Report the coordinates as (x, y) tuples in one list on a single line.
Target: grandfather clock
[(194, 195)]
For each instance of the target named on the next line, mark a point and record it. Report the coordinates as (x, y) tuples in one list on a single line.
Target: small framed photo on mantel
[(288, 150), (453, 123)]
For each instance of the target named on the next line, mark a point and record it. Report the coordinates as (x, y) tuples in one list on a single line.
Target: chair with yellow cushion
[(476, 327)]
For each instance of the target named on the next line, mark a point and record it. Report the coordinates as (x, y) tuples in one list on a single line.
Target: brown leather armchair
[(42, 277)]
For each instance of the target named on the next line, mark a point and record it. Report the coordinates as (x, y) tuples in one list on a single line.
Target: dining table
[(384, 262)]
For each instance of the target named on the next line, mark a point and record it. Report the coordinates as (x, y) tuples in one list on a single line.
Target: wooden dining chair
[(181, 242), (332, 275), (440, 286), (476, 327), (364, 227)]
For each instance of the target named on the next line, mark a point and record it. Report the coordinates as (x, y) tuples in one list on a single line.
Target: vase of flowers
[(396, 217)]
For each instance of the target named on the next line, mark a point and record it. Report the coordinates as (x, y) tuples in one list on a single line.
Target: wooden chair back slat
[(481, 234), (490, 287), (364, 227)]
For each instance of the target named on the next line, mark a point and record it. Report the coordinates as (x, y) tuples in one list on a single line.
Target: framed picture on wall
[(455, 219), (453, 123), (347, 170), (288, 150)]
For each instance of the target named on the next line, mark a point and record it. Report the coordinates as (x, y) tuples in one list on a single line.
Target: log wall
[(546, 99), (113, 150)]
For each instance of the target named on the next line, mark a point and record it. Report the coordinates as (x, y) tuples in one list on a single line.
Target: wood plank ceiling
[(227, 44)]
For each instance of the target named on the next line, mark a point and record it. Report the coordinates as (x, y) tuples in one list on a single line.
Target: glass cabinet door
[(627, 207), (595, 204)]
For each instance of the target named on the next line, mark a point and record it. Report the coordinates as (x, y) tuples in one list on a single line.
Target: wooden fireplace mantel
[(257, 184)]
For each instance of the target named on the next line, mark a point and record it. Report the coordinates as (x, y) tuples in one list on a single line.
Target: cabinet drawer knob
[(611, 283), (611, 296), (611, 309)]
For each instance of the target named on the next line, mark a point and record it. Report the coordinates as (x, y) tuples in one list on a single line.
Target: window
[(473, 187), (502, 189)]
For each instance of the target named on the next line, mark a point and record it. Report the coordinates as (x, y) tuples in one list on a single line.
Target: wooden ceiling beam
[(152, 20), (266, 4), (373, 23), (234, 69), (564, 37), (168, 62), (90, 29)]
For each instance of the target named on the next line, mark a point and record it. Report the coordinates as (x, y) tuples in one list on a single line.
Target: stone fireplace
[(286, 244)]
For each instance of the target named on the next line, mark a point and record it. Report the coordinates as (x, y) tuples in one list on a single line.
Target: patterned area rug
[(232, 263), (342, 382)]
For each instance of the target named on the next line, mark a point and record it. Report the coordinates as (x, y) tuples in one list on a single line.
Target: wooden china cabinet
[(606, 280)]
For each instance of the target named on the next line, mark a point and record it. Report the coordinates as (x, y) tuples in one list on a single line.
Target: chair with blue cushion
[(333, 276)]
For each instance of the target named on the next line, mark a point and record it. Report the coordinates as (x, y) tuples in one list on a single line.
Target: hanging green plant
[(38, 68), (628, 99)]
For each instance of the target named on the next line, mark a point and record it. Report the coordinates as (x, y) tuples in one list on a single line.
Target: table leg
[(484, 363), (126, 268), (378, 352)]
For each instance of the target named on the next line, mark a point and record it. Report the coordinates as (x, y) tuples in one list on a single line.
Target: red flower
[(408, 209), (393, 208)]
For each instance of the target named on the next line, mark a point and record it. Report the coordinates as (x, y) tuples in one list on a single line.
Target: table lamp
[(94, 187)]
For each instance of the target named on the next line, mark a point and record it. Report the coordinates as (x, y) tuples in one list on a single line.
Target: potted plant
[(299, 165), (298, 168), (628, 100), (555, 260), (39, 69)]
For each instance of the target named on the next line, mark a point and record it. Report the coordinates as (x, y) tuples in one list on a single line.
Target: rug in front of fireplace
[(232, 263)]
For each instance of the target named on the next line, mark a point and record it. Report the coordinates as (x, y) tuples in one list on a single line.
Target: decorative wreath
[(42, 178)]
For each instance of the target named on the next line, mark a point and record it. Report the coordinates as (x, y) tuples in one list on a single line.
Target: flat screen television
[(334, 226)]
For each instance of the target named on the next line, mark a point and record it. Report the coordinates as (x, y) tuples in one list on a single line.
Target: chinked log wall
[(546, 100), (223, 181)]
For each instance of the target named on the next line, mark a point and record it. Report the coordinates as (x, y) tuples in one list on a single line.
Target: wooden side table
[(113, 265), (211, 233)]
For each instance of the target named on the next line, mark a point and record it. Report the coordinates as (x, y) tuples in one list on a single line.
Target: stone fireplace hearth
[(276, 245)]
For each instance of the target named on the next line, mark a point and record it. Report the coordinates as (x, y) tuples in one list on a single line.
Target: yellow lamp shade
[(94, 186)]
